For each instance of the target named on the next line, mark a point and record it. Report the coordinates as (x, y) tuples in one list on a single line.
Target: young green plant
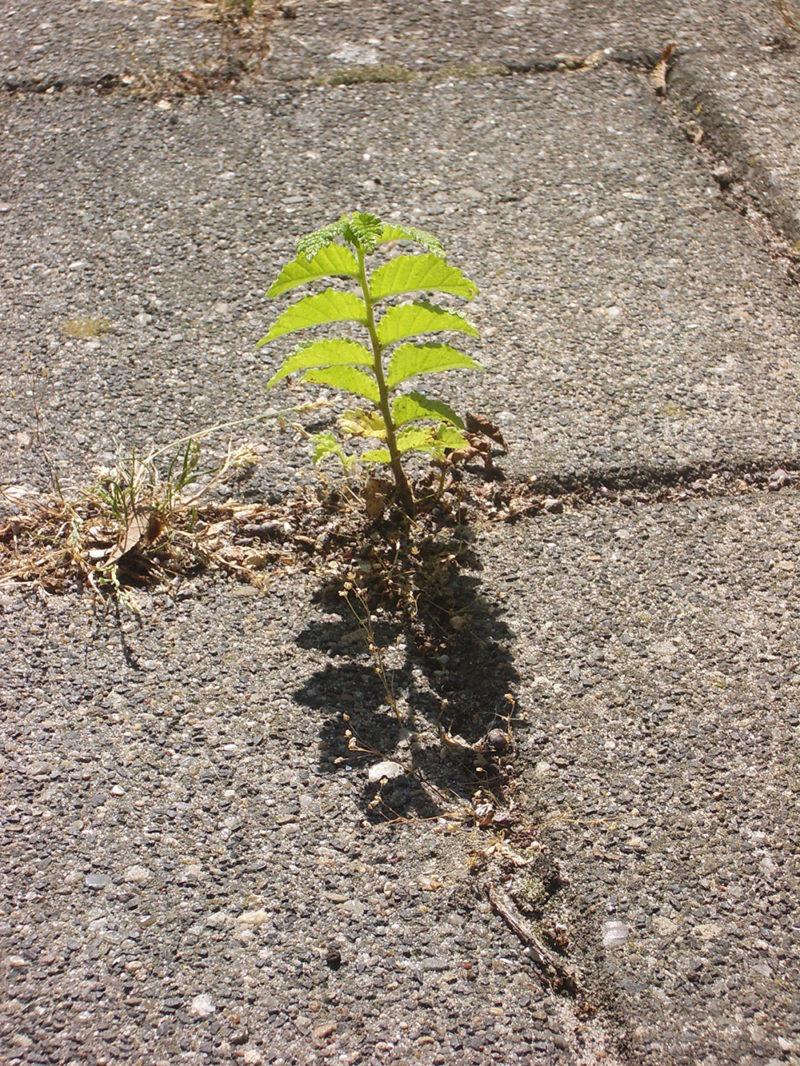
[(402, 422)]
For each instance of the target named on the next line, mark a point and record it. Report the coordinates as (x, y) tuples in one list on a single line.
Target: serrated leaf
[(417, 439), (363, 230), (317, 310), (411, 319), (346, 378), (309, 245), (363, 424), (410, 233), (324, 444), (411, 359), (421, 439), (419, 273), (434, 442), (338, 351), (378, 455), (415, 406), (450, 437), (334, 260)]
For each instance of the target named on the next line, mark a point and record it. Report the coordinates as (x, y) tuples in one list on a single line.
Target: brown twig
[(555, 972)]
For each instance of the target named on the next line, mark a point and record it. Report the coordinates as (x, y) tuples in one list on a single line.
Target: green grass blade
[(317, 310), (346, 378), (338, 351), (411, 359), (415, 406), (419, 273), (411, 319), (409, 233), (334, 260)]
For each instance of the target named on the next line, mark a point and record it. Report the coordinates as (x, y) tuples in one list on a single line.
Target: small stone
[(386, 769), (722, 175), (202, 1006), (552, 505), (322, 1032), (137, 875), (256, 918), (97, 881), (4, 207), (434, 964), (16, 962), (614, 934), (117, 790), (707, 930), (665, 926)]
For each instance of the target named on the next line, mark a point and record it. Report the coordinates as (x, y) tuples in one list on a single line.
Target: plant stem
[(400, 479)]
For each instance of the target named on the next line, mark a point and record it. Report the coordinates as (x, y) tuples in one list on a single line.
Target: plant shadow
[(419, 670)]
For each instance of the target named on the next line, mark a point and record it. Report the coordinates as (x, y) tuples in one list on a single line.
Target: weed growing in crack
[(234, 10), (401, 422), (140, 522)]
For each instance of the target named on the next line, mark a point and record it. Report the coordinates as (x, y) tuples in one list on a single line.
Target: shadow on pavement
[(419, 660)]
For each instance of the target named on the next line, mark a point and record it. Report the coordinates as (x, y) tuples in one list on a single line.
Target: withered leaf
[(376, 492), (484, 427)]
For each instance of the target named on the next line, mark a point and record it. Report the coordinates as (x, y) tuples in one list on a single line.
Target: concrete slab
[(144, 45), (194, 859), (657, 651), (629, 318), (735, 71)]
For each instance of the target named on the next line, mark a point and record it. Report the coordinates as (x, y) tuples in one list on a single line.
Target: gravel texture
[(657, 651), (194, 866), (103, 44), (188, 874), (568, 179), (172, 796)]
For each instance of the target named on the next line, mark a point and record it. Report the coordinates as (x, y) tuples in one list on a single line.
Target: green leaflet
[(449, 437), (378, 455), (406, 423), (409, 233), (426, 439), (334, 260), (360, 423), (411, 319), (309, 245), (337, 351), (417, 273), (327, 306), (360, 229), (347, 378), (326, 444), (415, 406), (411, 359)]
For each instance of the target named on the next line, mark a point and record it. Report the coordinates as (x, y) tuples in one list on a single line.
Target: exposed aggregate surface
[(189, 874)]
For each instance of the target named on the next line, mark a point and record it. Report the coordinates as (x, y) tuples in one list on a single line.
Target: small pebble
[(614, 934), (97, 881), (202, 1006)]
